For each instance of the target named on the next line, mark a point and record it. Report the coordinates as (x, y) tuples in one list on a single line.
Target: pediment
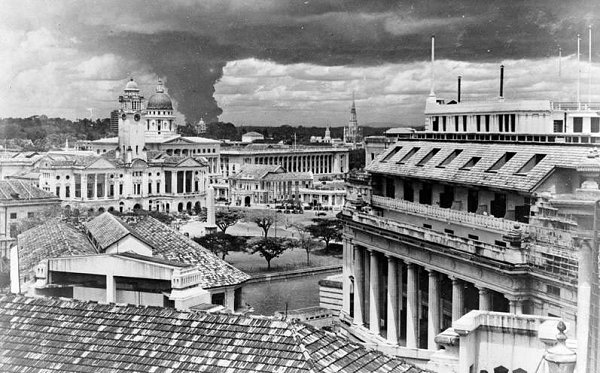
[(189, 162), (179, 140), (101, 163), (139, 163)]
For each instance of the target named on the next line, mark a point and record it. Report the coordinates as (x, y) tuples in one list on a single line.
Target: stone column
[(359, 283), (375, 305), (95, 188), (433, 313), (105, 186), (485, 303), (457, 298), (392, 301), (173, 182), (515, 305), (412, 322), (347, 270), (84, 186), (111, 289)]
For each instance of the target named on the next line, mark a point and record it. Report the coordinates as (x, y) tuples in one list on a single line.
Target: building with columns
[(158, 128), (321, 161), (130, 172), (494, 218)]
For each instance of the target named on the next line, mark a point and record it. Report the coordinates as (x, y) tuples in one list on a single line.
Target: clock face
[(124, 116), (136, 117)]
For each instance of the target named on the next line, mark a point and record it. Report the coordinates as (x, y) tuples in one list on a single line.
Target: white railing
[(464, 217), (544, 234)]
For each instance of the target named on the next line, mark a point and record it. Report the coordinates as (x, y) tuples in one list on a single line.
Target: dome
[(159, 101), (131, 86)]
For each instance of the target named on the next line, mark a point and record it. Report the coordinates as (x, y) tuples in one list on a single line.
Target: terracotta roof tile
[(18, 190), (52, 335), (51, 240), (507, 177)]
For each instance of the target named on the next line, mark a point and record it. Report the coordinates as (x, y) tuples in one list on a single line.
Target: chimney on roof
[(458, 98), (501, 82)]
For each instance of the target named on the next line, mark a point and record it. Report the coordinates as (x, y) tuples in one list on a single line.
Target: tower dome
[(131, 85), (160, 100)]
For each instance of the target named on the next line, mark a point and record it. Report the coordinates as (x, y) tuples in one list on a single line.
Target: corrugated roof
[(52, 239), (505, 178), (171, 245), (11, 190), (71, 336)]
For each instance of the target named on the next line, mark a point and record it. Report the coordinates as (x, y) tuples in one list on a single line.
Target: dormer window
[(392, 153), (531, 164), (471, 163), (429, 155), (501, 162), (408, 155), (455, 153)]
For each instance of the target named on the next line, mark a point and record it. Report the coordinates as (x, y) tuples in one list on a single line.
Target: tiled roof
[(255, 171), (107, 229), (52, 239), (59, 335), (11, 190), (69, 160), (557, 156), (172, 245), (289, 176)]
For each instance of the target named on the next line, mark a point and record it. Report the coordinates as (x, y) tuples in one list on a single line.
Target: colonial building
[(20, 201), (489, 208), (148, 166), (321, 161), (141, 262), (158, 129)]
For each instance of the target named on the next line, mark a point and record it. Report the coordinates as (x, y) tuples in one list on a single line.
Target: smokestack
[(459, 77), (578, 71), (432, 92), (590, 67), (501, 81)]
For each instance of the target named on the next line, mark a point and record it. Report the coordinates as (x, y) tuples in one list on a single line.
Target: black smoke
[(360, 33)]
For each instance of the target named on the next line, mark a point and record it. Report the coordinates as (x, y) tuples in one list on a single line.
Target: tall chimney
[(501, 81), (459, 77)]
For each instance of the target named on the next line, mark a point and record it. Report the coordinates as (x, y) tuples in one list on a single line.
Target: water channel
[(269, 296)]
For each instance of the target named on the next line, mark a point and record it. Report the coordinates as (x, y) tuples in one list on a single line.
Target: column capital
[(454, 279), (431, 272)]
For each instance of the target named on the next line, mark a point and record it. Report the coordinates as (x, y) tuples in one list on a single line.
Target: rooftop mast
[(432, 92), (578, 71), (590, 66)]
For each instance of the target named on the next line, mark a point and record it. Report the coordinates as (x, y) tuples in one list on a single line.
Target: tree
[(305, 241), (221, 243), (225, 218), (326, 229), (269, 247), (264, 219)]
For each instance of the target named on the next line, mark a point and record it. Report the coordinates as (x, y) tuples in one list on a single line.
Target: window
[(450, 158), (500, 123), (558, 126), (513, 123), (471, 163), (577, 124), (30, 215), (501, 162), (391, 154), (553, 290), (13, 215), (429, 155), (487, 123), (464, 120), (594, 125), (444, 123), (537, 158), (408, 155), (435, 123), (218, 299), (479, 123), (456, 123)]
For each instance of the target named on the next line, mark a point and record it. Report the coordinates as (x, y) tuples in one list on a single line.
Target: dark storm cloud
[(190, 42)]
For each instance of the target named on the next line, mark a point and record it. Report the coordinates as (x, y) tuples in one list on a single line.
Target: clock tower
[(131, 124)]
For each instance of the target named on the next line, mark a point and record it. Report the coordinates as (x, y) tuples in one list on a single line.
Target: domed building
[(159, 113)]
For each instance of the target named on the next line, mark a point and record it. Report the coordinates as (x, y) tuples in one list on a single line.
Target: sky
[(275, 62)]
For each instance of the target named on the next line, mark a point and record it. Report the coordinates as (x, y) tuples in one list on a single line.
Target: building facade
[(321, 161), (467, 216)]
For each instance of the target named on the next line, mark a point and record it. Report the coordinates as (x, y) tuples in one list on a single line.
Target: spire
[(159, 87)]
